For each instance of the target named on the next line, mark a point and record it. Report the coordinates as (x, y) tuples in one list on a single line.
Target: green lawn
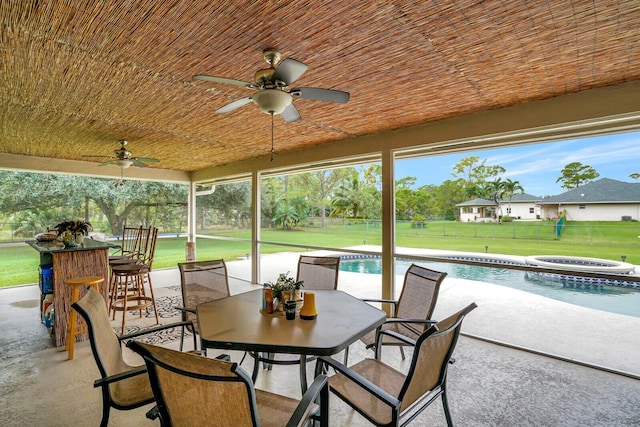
[(608, 240)]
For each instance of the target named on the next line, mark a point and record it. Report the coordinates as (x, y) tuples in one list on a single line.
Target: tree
[(119, 203), (471, 170), (318, 186), (347, 200), (509, 189), (66, 197), (479, 190), (229, 203), (576, 174), (497, 188), (405, 198), (424, 199), (448, 194), (477, 179), (635, 176), (270, 191), (290, 212)]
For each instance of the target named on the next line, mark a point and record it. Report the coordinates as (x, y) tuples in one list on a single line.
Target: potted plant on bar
[(72, 233)]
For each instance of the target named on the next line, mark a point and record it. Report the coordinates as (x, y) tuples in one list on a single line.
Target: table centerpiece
[(285, 288)]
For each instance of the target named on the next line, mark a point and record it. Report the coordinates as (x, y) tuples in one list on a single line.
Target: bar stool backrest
[(130, 241)]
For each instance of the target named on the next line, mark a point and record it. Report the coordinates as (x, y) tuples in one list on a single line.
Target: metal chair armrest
[(402, 338), (120, 376), (154, 329), (319, 388), (391, 301), (187, 309), (406, 320), (361, 381), (395, 335), (382, 300)]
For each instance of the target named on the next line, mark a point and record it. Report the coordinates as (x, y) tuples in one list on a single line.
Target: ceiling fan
[(123, 158), (271, 84)]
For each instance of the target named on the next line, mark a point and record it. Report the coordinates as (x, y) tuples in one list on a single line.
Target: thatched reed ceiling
[(75, 77)]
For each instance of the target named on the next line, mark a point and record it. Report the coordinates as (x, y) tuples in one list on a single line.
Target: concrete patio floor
[(489, 385)]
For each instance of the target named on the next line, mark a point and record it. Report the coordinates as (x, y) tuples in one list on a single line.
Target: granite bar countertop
[(57, 246)]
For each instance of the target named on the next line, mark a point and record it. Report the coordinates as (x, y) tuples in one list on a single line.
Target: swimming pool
[(614, 299)]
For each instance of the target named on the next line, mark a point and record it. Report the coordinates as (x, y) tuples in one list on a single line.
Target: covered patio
[(424, 79)]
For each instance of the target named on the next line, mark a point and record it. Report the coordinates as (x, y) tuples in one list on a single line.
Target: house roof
[(521, 197), (478, 202), (517, 198), (77, 76), (604, 190)]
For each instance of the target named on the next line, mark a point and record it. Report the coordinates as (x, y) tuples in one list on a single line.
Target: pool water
[(614, 299)]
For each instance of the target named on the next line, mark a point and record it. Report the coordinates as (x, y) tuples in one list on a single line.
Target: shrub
[(418, 221)]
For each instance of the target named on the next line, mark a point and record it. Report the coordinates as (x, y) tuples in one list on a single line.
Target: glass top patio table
[(236, 323)]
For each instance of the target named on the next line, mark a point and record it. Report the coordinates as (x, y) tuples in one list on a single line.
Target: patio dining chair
[(411, 314), (123, 386), (201, 281), (318, 272), (388, 397), (192, 390)]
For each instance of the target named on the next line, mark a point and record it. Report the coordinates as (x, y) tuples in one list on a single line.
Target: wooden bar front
[(90, 259)]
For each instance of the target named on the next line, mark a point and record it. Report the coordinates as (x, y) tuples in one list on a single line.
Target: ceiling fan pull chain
[(272, 151)]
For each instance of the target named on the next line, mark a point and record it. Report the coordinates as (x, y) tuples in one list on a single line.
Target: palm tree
[(289, 213), (497, 189), (474, 191), (509, 189), (347, 200)]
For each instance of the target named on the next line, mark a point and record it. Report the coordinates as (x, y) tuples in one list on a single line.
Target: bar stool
[(73, 328), (128, 283), (128, 291)]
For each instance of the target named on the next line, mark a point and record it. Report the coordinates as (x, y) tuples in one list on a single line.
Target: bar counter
[(91, 258)]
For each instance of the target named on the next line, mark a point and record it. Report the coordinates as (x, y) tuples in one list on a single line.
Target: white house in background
[(603, 200), (477, 210), (522, 206)]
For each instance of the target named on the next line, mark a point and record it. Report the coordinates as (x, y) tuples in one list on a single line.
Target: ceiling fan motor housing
[(263, 77)]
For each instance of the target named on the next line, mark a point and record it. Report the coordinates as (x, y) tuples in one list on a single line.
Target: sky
[(537, 166)]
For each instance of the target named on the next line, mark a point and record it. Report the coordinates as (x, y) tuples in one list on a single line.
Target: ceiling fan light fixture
[(272, 101), (123, 163)]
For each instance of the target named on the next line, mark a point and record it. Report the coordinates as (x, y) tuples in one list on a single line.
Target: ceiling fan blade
[(289, 71), (317, 94), (224, 80), (137, 162), (108, 162), (233, 105), (290, 114), (147, 159)]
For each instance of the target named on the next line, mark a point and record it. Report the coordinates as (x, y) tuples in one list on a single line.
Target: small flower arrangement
[(284, 283), (74, 228)]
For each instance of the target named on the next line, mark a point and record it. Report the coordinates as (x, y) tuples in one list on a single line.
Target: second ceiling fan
[(271, 85)]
